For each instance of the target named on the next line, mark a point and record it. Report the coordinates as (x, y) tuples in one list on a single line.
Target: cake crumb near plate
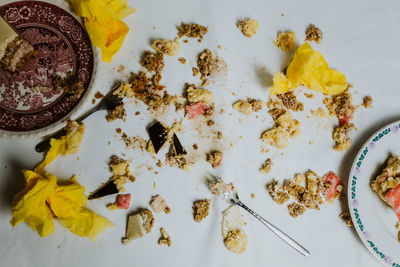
[(367, 102), (215, 158), (248, 27), (201, 209), (266, 167), (345, 216), (296, 209), (285, 40), (165, 238), (313, 33), (341, 136)]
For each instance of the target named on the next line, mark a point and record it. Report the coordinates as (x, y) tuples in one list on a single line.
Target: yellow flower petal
[(67, 203), (30, 206), (309, 68), (103, 23)]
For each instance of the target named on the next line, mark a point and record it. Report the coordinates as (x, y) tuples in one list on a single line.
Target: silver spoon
[(227, 192)]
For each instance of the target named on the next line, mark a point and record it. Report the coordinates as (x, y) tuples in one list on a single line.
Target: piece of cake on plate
[(387, 184), (14, 50)]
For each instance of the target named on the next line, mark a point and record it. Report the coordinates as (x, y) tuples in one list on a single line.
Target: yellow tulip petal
[(30, 206), (67, 203), (103, 23), (309, 68)]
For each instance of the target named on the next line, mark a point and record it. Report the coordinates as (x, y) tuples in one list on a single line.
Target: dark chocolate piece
[(158, 135), (179, 150), (108, 188)]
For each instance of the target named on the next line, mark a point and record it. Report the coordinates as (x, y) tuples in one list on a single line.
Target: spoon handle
[(276, 231)]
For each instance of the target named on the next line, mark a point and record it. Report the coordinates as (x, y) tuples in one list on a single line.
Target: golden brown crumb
[(121, 68), (252, 195), (98, 95), (93, 101), (266, 167), (285, 40), (195, 71), (200, 209), (117, 113), (120, 171), (313, 33), (118, 130), (296, 210), (341, 136), (158, 204), (345, 216), (195, 146), (219, 135), (308, 95), (208, 65), (289, 100), (236, 241), (170, 48), (134, 142), (137, 113), (367, 102), (153, 61), (165, 239), (192, 30), (210, 122), (248, 27), (182, 60), (299, 178), (318, 113), (248, 106), (277, 192), (215, 158)]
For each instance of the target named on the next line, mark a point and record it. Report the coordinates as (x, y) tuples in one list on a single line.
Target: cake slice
[(14, 50), (388, 179)]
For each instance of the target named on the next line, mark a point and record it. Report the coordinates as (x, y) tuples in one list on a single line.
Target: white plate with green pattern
[(373, 219)]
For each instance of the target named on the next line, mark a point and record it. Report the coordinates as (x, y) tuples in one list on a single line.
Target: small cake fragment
[(153, 62), (367, 102), (215, 158), (286, 40), (296, 209), (248, 27), (219, 187), (248, 106), (14, 50), (276, 191), (165, 239), (346, 218), (118, 112), (170, 48), (313, 33), (201, 209), (209, 66), (289, 100), (235, 239), (266, 167), (139, 224), (192, 30), (158, 204)]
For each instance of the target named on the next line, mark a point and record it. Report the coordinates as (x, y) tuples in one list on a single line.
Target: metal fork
[(109, 102), (233, 198)]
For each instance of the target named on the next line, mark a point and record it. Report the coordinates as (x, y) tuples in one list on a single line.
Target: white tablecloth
[(361, 39)]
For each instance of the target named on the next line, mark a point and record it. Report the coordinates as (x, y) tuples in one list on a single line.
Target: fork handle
[(290, 241)]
